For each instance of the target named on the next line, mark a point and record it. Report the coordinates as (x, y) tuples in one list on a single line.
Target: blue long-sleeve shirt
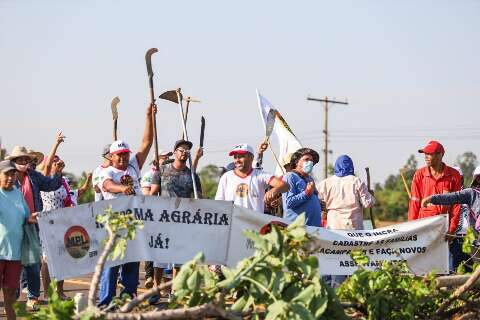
[(296, 201), (469, 196)]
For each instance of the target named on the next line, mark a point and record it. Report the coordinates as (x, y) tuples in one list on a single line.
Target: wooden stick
[(405, 184)]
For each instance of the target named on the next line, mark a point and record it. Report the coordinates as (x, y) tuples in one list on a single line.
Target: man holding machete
[(122, 178)]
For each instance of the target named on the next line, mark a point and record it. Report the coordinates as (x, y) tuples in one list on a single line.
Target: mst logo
[(77, 242)]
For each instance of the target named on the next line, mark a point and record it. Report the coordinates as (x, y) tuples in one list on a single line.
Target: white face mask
[(21, 167)]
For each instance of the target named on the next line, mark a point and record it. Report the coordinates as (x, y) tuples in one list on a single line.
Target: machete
[(148, 60), (268, 131), (114, 104), (202, 132)]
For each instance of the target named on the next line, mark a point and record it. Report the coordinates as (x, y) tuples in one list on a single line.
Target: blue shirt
[(13, 213), (296, 201)]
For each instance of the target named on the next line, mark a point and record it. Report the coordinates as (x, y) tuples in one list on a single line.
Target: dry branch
[(199, 312), (92, 293), (127, 307)]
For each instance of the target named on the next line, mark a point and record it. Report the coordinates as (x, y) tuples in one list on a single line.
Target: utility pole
[(326, 101)]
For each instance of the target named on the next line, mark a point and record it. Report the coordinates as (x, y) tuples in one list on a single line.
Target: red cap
[(433, 147)]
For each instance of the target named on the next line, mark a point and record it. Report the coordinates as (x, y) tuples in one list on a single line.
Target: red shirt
[(424, 185)]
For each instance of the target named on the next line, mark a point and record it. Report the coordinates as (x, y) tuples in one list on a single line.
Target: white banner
[(421, 243), (176, 229)]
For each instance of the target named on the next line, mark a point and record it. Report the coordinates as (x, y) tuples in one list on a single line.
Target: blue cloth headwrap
[(343, 166)]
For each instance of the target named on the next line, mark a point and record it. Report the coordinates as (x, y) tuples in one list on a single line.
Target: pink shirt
[(345, 198), (26, 188)]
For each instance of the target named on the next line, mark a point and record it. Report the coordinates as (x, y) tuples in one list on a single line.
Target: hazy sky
[(410, 71)]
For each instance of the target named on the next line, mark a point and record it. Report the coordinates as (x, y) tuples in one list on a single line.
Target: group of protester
[(30, 184)]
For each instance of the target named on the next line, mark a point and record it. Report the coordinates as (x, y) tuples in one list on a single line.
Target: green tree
[(392, 198), (467, 162), (209, 176)]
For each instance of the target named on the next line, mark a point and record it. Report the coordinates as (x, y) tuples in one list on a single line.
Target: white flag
[(286, 139)]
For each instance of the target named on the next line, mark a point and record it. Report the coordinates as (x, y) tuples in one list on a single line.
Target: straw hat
[(17, 152), (36, 155)]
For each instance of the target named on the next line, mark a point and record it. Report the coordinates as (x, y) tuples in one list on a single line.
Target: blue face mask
[(307, 167)]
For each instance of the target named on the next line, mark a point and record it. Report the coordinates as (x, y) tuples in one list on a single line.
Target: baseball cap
[(106, 150), (242, 148), (476, 172), (180, 142), (432, 147), (6, 165), (119, 146)]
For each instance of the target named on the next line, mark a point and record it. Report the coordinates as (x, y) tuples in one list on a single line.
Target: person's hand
[(262, 147), (310, 188), (449, 237), (59, 138), (426, 201), (152, 108), (33, 217), (270, 195), (89, 179), (199, 153), (128, 190)]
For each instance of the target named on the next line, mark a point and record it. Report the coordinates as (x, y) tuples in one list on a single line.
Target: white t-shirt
[(96, 176), (124, 177), (247, 192)]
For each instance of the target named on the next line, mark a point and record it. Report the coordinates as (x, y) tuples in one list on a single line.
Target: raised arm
[(86, 185), (46, 167), (198, 155), (465, 196), (147, 139)]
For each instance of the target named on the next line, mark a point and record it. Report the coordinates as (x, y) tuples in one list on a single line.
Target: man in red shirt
[(435, 178)]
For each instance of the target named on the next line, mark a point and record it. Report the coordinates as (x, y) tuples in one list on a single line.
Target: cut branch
[(127, 307), (199, 312), (92, 293), (462, 289)]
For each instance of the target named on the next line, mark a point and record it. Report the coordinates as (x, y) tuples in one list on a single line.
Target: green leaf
[(299, 312), (276, 310), (260, 242), (306, 295), (193, 282), (240, 303), (299, 222)]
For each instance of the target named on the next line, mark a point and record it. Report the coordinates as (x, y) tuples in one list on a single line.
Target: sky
[(409, 69)]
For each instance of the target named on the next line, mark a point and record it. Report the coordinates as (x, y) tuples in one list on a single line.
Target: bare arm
[(198, 155), (47, 166), (278, 187), (86, 185), (112, 187), (147, 139)]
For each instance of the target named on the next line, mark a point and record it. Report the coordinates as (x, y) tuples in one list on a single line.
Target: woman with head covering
[(345, 196), (302, 196)]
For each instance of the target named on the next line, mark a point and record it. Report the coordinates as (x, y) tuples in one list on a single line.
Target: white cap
[(242, 148), (119, 146), (476, 172)]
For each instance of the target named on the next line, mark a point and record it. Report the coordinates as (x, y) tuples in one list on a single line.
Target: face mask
[(21, 167), (308, 166)]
